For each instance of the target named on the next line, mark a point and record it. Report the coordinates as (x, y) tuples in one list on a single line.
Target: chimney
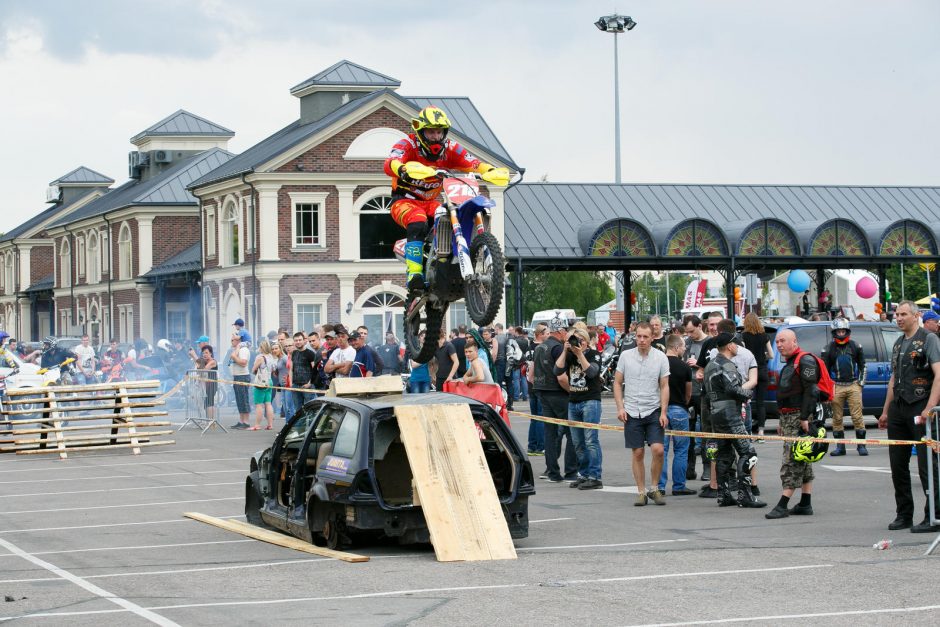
[(337, 85)]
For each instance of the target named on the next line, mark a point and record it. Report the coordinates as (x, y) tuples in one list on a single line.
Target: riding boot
[(840, 448), (745, 496), (414, 266), (725, 498), (706, 467), (862, 449), (690, 469)]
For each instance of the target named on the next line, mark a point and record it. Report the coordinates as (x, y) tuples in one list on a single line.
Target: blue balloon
[(798, 281)]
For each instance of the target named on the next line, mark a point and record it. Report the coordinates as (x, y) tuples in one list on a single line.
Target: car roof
[(393, 400)]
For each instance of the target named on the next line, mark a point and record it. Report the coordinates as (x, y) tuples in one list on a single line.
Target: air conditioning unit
[(162, 156), (52, 193)]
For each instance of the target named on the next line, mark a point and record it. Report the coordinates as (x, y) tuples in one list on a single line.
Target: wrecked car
[(338, 472)]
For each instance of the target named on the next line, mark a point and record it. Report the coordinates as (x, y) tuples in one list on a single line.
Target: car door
[(876, 379), (889, 335)]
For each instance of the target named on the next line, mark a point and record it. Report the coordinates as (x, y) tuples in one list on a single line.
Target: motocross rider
[(52, 354), (415, 201)]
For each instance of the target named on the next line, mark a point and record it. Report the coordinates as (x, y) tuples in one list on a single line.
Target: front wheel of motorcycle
[(484, 289), (428, 319)]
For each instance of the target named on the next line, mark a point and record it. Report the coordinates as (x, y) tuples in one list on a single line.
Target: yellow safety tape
[(172, 390), (730, 436), (255, 385)]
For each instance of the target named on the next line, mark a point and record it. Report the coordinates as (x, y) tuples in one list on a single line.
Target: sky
[(723, 91)]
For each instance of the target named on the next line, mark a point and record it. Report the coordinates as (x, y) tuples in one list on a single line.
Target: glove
[(711, 450)]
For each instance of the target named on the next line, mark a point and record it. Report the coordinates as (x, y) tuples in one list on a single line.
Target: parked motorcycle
[(454, 267), (610, 357), (59, 374)]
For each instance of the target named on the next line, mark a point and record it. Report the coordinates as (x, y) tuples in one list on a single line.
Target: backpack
[(263, 375), (825, 385)]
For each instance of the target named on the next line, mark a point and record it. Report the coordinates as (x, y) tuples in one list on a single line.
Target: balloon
[(866, 287), (798, 281)]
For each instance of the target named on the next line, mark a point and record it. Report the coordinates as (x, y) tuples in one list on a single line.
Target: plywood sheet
[(453, 483), (351, 386)]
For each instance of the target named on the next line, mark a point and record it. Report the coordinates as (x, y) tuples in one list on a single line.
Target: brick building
[(296, 229)]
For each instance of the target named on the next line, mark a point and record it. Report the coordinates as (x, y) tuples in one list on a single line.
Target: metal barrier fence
[(200, 388), (933, 457)]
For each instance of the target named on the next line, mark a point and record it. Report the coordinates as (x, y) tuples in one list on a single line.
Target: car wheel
[(254, 502), (335, 533)]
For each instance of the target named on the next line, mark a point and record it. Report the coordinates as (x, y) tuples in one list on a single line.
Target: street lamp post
[(616, 24)]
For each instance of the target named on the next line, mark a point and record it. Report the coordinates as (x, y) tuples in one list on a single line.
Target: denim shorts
[(640, 431)]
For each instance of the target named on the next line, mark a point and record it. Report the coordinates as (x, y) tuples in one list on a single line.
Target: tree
[(581, 291), (915, 282)]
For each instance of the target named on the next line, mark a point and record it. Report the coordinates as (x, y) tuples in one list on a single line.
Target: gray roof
[(43, 284), (189, 260), (26, 228), (347, 73), (183, 123), (466, 120), (543, 220), (465, 117), (83, 175), (167, 188)]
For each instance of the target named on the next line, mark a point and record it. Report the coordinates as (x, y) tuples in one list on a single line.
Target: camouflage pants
[(793, 474)]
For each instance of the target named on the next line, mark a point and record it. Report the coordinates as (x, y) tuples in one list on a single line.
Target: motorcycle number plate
[(460, 190)]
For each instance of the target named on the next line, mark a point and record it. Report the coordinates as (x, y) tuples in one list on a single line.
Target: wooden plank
[(159, 423), (94, 387), (39, 451), (77, 408), (346, 386), (92, 437), (103, 397), (141, 414), (454, 484), (273, 537)]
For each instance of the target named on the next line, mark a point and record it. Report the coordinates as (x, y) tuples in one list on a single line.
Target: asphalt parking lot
[(99, 539)]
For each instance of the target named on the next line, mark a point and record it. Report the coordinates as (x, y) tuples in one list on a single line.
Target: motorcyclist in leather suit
[(723, 385)]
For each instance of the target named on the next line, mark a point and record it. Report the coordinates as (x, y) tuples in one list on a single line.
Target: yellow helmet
[(428, 118)]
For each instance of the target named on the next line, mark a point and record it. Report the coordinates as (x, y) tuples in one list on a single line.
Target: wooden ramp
[(353, 386), (454, 484)]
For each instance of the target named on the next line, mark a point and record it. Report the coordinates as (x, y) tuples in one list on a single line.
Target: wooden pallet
[(453, 483), (40, 429)]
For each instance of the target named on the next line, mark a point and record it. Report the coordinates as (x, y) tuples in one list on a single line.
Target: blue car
[(877, 340)]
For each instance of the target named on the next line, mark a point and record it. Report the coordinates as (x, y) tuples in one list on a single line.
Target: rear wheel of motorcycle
[(429, 319), (484, 290)]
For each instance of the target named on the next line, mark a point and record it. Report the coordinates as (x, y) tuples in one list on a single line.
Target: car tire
[(254, 502)]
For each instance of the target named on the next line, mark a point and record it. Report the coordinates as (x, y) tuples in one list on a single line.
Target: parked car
[(338, 471), (877, 340)]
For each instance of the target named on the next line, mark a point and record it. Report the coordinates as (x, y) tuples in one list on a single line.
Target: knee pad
[(745, 464), (417, 231)]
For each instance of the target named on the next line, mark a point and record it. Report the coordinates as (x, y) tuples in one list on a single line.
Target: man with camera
[(581, 364), (552, 390)]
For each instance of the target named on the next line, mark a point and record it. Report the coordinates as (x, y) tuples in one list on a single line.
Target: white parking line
[(77, 509), (109, 477), (781, 617), (125, 524), (549, 520), (173, 451), (599, 546), (78, 581), (135, 548), (697, 574), (137, 463), (152, 487)]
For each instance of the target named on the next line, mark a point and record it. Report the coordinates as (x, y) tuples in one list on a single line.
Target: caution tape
[(732, 436), (256, 385), (173, 390)]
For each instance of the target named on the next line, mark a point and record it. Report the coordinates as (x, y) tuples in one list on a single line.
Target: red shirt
[(602, 339), (455, 157)]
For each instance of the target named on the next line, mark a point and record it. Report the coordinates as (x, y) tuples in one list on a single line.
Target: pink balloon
[(866, 287)]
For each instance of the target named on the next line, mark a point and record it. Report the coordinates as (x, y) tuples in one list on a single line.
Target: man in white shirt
[(342, 358), (641, 392), (85, 355), (238, 365)]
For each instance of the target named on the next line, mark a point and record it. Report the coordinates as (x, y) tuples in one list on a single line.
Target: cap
[(354, 335), (329, 334), (340, 330), (557, 324), (203, 339), (723, 339), (239, 323), (930, 314)]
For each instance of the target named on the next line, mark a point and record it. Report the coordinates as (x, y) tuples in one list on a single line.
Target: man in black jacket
[(553, 394), (845, 360)]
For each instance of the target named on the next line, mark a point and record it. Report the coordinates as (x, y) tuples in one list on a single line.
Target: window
[(866, 339), (94, 258), (80, 255), (65, 263), (890, 336), (125, 258), (308, 220), (9, 274), (307, 316), (381, 313), (126, 322), (458, 315), (814, 338), (231, 235), (177, 321), (377, 231), (210, 232), (348, 435)]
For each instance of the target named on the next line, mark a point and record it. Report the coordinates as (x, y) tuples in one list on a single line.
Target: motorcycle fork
[(462, 249)]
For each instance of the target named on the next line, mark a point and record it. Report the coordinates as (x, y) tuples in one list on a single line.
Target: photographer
[(582, 365)]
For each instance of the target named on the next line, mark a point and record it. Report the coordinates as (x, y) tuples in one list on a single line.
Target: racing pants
[(413, 215), (728, 420)]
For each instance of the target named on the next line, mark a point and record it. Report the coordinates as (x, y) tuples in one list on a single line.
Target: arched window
[(695, 238), (94, 258), (125, 254), (231, 235), (377, 231), (770, 238), (9, 274), (381, 313), (907, 238), (65, 263), (838, 238)]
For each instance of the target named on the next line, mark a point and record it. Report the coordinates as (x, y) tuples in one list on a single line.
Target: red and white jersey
[(455, 157)]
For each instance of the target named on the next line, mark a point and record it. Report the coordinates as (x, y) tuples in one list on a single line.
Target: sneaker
[(925, 527), (900, 523), (544, 475), (239, 425), (800, 510), (535, 453), (708, 492), (577, 482), (555, 480), (777, 512), (590, 484), (641, 500), (683, 492), (657, 497)]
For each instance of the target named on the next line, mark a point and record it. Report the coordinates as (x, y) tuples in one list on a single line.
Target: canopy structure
[(734, 229)]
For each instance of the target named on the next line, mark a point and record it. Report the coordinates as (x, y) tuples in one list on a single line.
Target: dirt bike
[(462, 259)]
